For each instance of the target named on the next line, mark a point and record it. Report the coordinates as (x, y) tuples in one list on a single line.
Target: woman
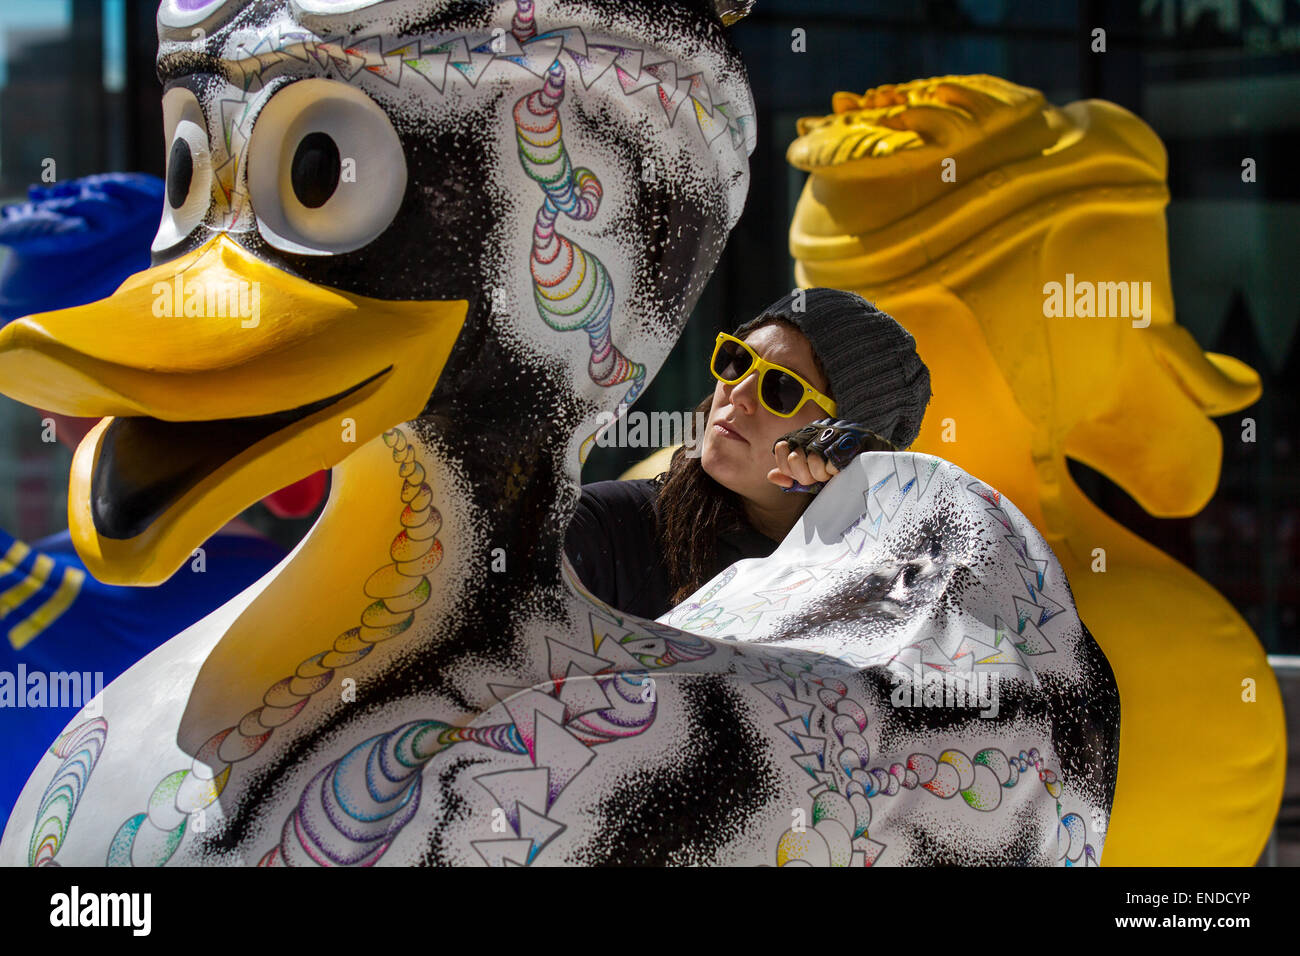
[(643, 546)]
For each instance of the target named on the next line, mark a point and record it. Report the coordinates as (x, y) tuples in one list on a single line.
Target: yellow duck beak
[(227, 379), (1219, 384)]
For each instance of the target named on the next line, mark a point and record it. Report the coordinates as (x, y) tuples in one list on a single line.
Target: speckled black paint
[(455, 809), (722, 783), (969, 848)]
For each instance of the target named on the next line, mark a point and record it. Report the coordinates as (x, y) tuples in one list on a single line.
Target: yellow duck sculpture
[(428, 244), (1024, 246)]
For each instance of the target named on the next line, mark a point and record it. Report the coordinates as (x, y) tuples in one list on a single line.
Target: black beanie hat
[(876, 377)]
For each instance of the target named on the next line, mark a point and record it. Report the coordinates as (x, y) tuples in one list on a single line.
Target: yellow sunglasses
[(780, 390)]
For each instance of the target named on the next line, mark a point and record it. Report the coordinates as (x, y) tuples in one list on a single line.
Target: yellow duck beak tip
[(1217, 384)]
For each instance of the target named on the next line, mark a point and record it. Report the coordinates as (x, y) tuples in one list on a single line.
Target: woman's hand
[(796, 470), (810, 456)]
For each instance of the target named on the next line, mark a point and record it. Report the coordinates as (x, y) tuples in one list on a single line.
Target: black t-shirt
[(613, 545)]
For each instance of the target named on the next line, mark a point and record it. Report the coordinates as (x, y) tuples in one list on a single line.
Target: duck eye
[(180, 173), (189, 168), (315, 172), (326, 171)]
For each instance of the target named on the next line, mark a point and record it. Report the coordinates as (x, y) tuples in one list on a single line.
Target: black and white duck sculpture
[(428, 244)]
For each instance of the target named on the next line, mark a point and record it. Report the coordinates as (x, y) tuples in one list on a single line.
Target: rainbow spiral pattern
[(400, 588), (80, 748), (351, 811), (571, 287), (523, 24)]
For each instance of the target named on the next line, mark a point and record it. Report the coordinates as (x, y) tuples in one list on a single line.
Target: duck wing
[(932, 632)]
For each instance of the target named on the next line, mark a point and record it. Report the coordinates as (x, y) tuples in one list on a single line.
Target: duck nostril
[(315, 170)]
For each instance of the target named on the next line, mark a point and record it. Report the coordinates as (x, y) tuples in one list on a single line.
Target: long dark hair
[(693, 510)]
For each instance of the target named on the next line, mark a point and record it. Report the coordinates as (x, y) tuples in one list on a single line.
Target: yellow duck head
[(492, 216), (1025, 243)]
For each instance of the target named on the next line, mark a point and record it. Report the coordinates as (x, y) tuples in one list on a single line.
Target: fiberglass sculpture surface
[(63, 634), (1035, 279), (448, 237)]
